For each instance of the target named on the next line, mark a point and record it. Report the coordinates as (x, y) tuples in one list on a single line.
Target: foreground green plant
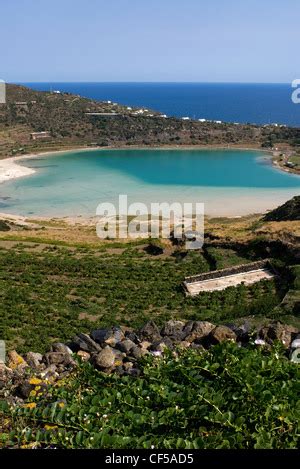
[(227, 397)]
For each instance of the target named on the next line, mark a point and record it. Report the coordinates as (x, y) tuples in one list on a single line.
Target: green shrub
[(227, 397)]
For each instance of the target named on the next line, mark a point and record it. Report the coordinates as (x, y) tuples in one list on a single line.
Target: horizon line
[(158, 82)]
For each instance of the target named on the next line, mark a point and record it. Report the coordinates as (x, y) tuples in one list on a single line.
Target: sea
[(254, 103)]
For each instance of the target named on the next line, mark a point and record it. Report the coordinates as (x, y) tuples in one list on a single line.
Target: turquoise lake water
[(228, 182)]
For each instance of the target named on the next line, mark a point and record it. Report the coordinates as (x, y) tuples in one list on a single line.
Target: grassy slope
[(54, 293)]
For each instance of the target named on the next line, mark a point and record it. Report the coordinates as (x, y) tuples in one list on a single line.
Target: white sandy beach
[(10, 169)]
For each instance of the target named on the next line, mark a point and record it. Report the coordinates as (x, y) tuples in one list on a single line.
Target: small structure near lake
[(230, 277)]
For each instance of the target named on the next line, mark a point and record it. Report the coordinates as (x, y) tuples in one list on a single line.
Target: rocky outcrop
[(120, 350), (289, 211)]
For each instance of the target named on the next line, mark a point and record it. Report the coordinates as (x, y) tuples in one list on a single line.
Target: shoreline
[(10, 169)]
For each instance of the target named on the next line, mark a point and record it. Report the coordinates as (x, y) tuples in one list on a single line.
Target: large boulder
[(59, 347), (105, 359), (59, 358), (132, 336), (34, 360), (84, 342), (241, 332), (277, 331), (197, 331), (173, 329), (161, 344), (16, 362), (5, 374), (149, 331), (108, 336), (221, 334), (125, 346)]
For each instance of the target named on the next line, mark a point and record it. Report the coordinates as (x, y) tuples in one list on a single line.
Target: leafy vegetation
[(51, 293), (227, 397)]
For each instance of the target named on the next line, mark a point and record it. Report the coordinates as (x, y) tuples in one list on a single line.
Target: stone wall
[(263, 264)]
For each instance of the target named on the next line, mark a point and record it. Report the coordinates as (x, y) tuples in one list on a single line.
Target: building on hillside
[(40, 135)]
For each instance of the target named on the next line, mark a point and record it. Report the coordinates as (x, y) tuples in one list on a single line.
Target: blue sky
[(150, 40)]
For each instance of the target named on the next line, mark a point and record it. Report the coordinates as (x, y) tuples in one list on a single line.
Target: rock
[(156, 353), (260, 342), (127, 366), (200, 330), (295, 355), (173, 329), (84, 342), (5, 375), (184, 344), (50, 373), (162, 344), (105, 358), (134, 372), (34, 360), (241, 332), (132, 336), (198, 347), (145, 345), (137, 352), (15, 361), (84, 356), (108, 336), (59, 358), (59, 347), (221, 334), (125, 346), (24, 390), (188, 327), (278, 331), (295, 344), (119, 370), (149, 331)]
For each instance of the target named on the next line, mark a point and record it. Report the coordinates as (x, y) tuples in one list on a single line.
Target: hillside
[(204, 372), (290, 211), (71, 121)]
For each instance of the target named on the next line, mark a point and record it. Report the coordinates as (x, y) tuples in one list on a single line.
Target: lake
[(228, 182)]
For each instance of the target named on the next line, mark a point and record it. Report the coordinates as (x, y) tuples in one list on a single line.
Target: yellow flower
[(30, 405), (35, 381), (32, 393), (51, 427), (61, 404), (29, 445)]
